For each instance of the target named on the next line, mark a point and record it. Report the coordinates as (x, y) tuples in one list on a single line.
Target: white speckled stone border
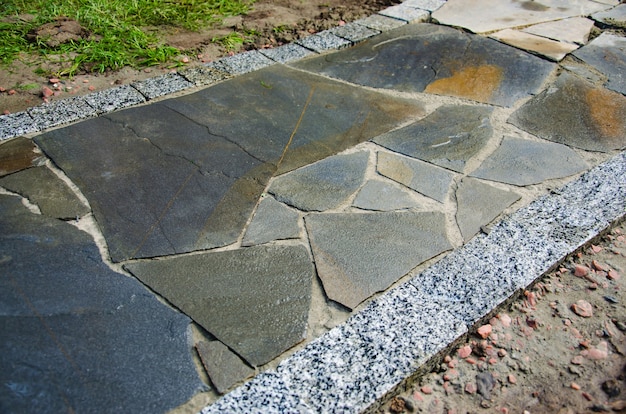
[(350, 368)]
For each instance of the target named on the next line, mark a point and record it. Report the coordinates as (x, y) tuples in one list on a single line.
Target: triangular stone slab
[(572, 30), (380, 196), (576, 113), (448, 137), (472, 211), (607, 53), (255, 300), (272, 221), (323, 185), (224, 367), (441, 60), (359, 254), (523, 162)]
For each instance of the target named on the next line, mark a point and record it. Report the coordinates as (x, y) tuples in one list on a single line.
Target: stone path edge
[(358, 365)]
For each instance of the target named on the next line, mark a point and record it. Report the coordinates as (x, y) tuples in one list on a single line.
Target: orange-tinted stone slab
[(18, 154)]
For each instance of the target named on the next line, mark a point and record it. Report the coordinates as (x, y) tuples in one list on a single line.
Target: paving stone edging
[(353, 366)]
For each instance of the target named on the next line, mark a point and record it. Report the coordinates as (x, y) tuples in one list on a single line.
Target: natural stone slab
[(425, 178), (381, 196), (354, 32), (442, 61), (323, 185), (242, 63), (472, 210), (551, 49), (359, 254), (61, 112), (77, 336), (255, 300), (588, 117), (272, 221), (522, 162), (607, 53), (286, 53), (42, 187), (225, 368), (19, 123), (381, 23), (115, 98), (162, 85), (323, 41), (572, 30), (406, 13), (448, 137), (613, 17), (18, 154), (430, 5), (481, 16), (204, 75)]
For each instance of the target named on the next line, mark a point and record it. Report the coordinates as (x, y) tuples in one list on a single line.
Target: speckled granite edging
[(350, 368)]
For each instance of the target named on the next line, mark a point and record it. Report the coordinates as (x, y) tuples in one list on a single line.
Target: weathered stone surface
[(473, 212), (523, 162), (272, 221), (448, 137), (480, 16), (255, 300), (381, 23), (576, 113), (42, 187), (425, 178), (381, 196), (607, 53), (224, 367), (549, 48), (430, 5), (614, 17), (572, 30), (354, 32), (76, 336), (357, 255), (442, 61), (18, 154), (406, 13), (323, 185)]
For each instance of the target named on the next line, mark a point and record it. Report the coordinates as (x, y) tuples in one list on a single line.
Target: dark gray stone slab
[(575, 113), (607, 53), (425, 178), (255, 300), (323, 185), (359, 254), (19, 123), (272, 221), (76, 336), (614, 17), (448, 137), (380, 196), (478, 204), (224, 367), (42, 187), (18, 154), (523, 162), (439, 60)]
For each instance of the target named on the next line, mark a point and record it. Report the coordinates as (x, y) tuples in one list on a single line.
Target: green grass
[(118, 29)]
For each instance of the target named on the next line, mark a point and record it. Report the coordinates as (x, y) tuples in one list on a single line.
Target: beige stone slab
[(482, 16), (546, 47), (573, 30)]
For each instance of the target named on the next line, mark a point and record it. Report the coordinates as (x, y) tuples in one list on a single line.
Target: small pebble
[(484, 331), (597, 265), (505, 319), (471, 388), (465, 351), (12, 92), (575, 386), (587, 396), (612, 275), (577, 360), (511, 378), (427, 389), (581, 271), (582, 308)]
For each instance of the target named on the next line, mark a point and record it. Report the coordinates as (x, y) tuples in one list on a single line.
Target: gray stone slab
[(242, 63), (115, 98), (407, 13), (204, 75), (522, 162), (478, 204), (425, 178), (272, 221), (575, 113), (162, 85), (287, 53), (359, 254), (613, 17), (448, 137), (573, 30), (323, 185), (354, 32), (381, 23), (19, 123), (430, 5), (61, 112), (255, 300), (443, 61), (323, 41), (383, 196), (42, 187), (607, 53), (18, 154), (224, 367), (78, 337)]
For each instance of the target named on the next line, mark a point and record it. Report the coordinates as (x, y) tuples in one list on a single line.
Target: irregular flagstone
[(425, 178), (614, 17), (323, 185), (255, 300), (572, 30), (607, 53), (77, 336), (42, 187), (380, 196), (523, 162), (185, 174), (272, 221), (224, 367), (473, 212), (551, 49), (442, 61), (359, 254), (576, 113), (448, 137), (480, 16), (18, 154)]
